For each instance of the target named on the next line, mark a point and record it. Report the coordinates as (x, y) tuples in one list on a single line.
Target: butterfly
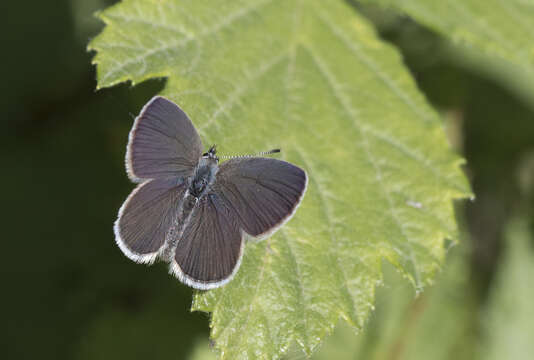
[(192, 212)]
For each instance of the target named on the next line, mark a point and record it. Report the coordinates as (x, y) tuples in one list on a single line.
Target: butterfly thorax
[(204, 176)]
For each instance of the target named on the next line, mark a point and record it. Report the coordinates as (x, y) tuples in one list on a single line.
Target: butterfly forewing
[(146, 216), (262, 192), (163, 142), (210, 249)]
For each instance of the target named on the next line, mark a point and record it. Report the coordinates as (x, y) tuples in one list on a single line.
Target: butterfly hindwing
[(146, 216)]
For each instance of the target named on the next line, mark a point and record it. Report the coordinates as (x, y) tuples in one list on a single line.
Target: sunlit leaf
[(312, 78)]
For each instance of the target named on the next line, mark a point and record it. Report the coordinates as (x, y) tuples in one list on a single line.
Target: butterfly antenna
[(263, 153)]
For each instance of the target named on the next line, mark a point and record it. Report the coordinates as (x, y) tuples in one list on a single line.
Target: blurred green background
[(70, 292)]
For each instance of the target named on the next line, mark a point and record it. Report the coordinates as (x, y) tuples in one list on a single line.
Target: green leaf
[(509, 325), (497, 28), (314, 79)]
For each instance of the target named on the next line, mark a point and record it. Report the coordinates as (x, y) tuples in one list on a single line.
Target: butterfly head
[(211, 153)]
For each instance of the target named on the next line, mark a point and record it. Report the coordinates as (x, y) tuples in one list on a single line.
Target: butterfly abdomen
[(181, 221)]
